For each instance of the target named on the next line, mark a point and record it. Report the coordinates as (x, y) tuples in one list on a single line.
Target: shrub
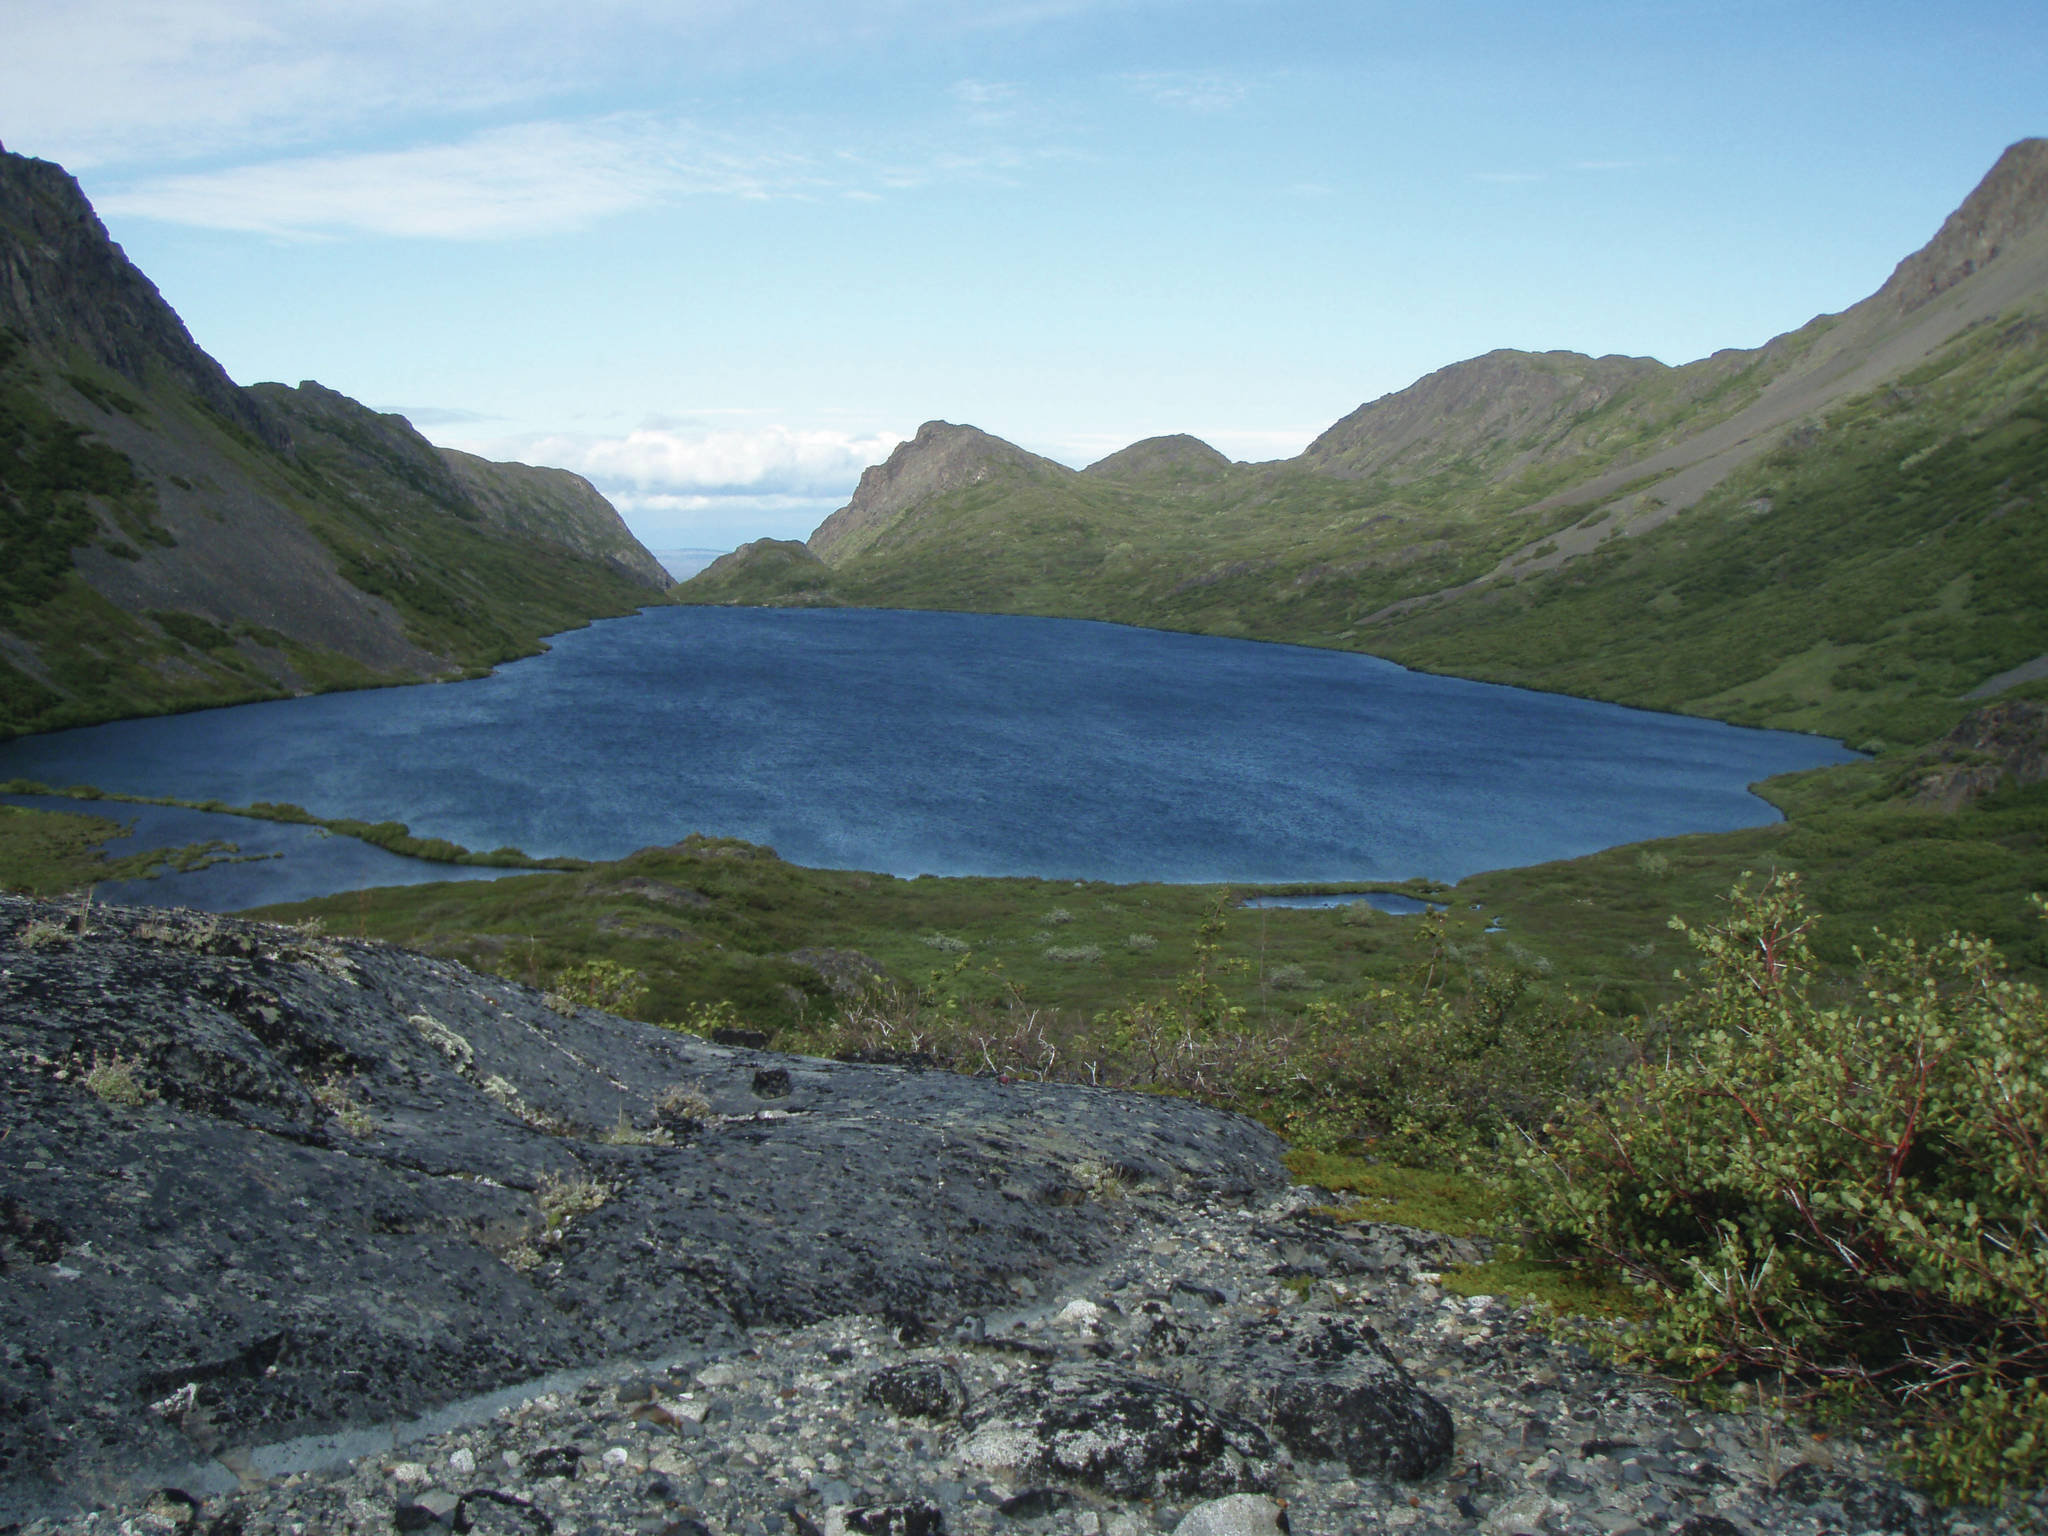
[(1853, 1197), (1074, 954), (602, 984), (1429, 1078), (1289, 978), (1141, 943), (945, 944)]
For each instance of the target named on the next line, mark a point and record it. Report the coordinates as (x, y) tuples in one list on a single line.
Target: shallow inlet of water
[(946, 743)]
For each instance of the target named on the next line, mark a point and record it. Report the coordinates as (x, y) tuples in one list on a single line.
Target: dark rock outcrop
[(1988, 748), (1329, 1390), (1128, 1435), (259, 1184)]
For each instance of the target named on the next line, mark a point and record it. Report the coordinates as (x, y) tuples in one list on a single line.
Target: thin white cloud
[(1189, 90), (983, 93), (159, 82), (532, 178)]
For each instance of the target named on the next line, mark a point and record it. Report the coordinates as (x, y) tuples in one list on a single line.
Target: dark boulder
[(919, 1389), (1328, 1390), (1128, 1435)]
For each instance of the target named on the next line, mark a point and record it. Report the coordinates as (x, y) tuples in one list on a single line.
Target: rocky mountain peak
[(2010, 203), (944, 456), (64, 283), (1504, 397)]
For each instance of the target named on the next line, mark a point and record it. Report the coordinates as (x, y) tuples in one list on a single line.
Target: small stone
[(462, 1462), (1079, 1314), (439, 1503), (1241, 1514), (406, 1473), (617, 1457)]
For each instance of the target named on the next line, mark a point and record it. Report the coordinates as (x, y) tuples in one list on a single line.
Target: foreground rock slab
[(257, 1184)]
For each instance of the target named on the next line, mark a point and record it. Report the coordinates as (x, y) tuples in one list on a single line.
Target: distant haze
[(682, 564)]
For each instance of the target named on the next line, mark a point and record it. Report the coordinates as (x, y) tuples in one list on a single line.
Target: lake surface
[(963, 744)]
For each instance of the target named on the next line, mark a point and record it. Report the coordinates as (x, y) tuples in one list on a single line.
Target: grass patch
[(45, 853), (1564, 1288), (392, 836), (1458, 1204)]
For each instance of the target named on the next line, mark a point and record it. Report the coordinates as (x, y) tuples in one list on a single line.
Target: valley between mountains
[(782, 1169), (1839, 531)]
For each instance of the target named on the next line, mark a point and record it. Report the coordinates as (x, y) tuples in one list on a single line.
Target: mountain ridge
[(172, 539), (1517, 478)]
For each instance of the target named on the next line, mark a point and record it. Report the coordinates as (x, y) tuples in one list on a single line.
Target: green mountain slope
[(169, 539), (1839, 530)]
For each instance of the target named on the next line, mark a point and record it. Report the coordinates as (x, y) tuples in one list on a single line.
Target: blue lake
[(961, 744)]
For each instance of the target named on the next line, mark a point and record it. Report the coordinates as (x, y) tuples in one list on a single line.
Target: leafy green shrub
[(601, 984), (1853, 1197), (1429, 1078)]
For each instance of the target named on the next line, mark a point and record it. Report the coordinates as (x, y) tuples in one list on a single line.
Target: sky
[(719, 255)]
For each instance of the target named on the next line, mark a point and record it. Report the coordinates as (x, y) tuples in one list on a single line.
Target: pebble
[(781, 1438)]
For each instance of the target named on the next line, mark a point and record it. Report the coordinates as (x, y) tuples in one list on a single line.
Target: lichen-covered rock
[(919, 1389), (1864, 1505), (256, 1184), (1129, 1435), (1237, 1514), (918, 1518), (1327, 1388)]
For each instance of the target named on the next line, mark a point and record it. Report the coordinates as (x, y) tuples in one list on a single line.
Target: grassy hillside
[(169, 539), (1855, 581), (123, 592)]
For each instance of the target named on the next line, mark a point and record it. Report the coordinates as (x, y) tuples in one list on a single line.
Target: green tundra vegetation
[(1855, 581), (1751, 1094)]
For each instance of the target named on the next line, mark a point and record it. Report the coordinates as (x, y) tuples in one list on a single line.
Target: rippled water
[(963, 744)]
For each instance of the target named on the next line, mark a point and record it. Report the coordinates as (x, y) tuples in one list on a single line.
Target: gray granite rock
[(257, 1185), (1327, 1388)]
